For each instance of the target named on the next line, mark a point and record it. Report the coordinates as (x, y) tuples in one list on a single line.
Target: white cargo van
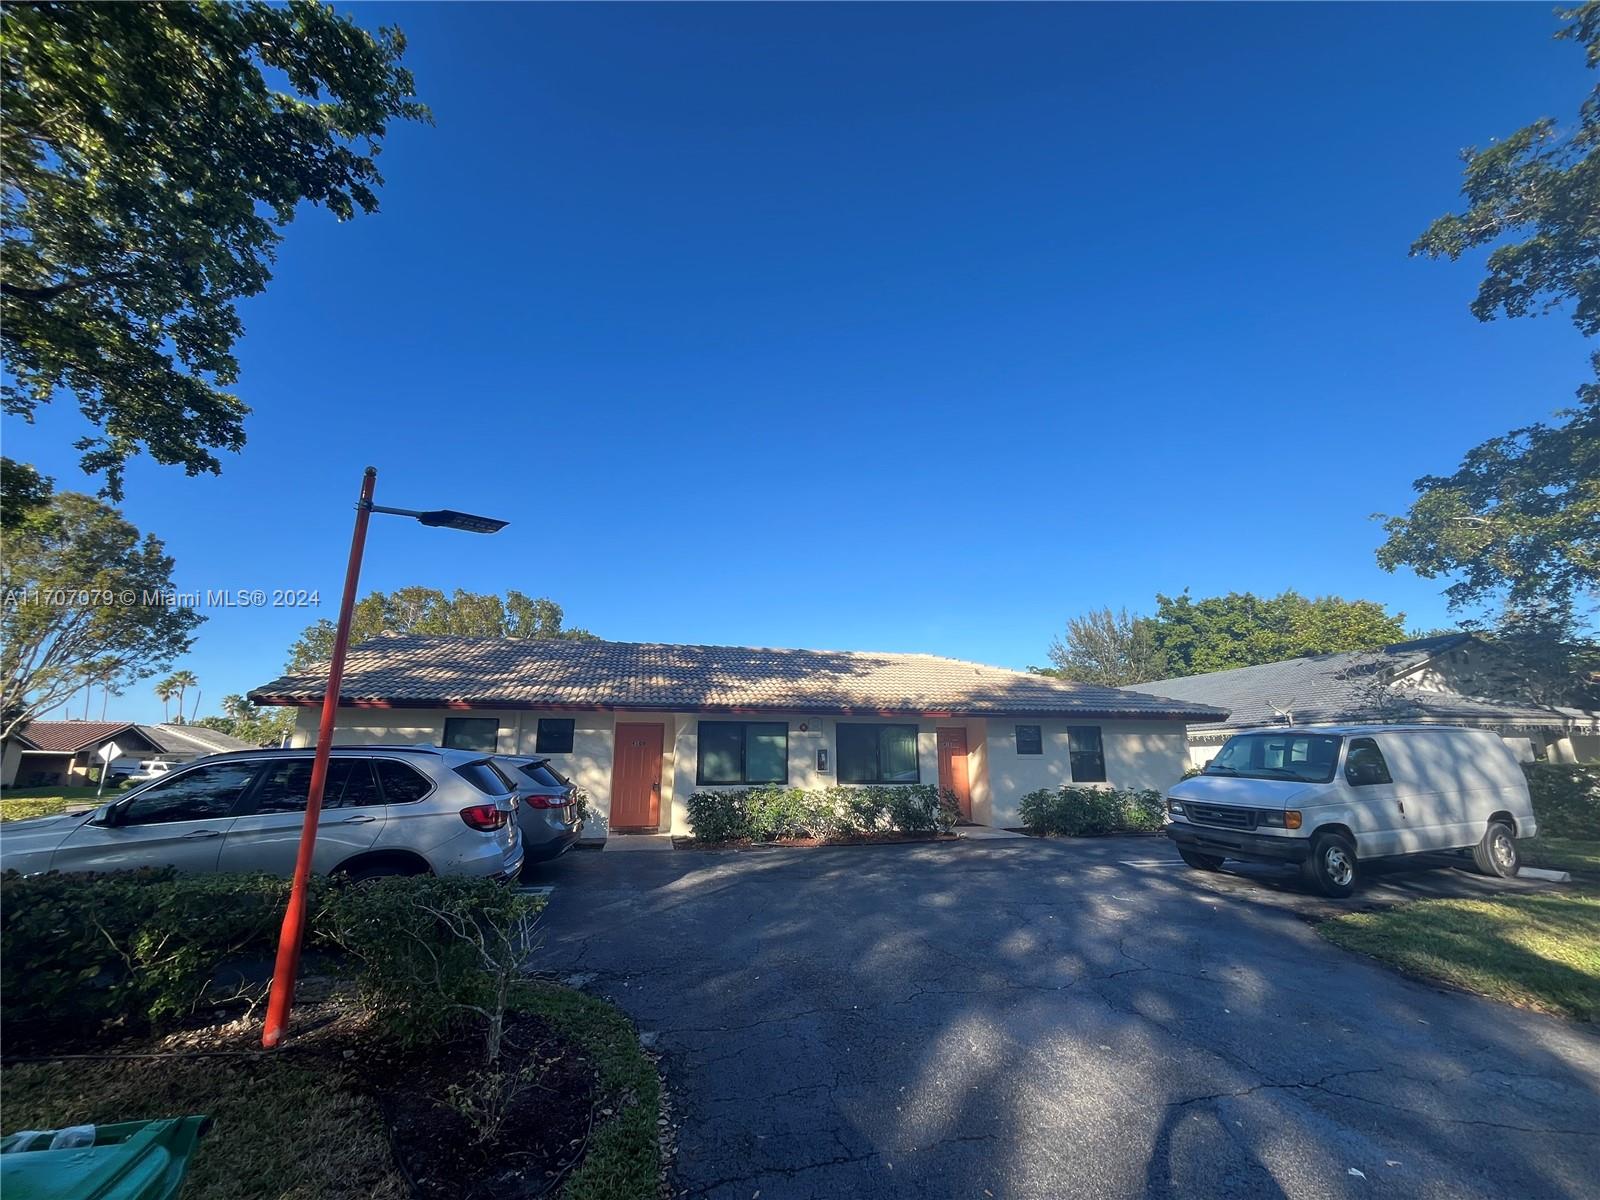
[(1329, 797)]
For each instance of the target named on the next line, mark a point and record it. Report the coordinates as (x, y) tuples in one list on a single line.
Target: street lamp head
[(448, 518)]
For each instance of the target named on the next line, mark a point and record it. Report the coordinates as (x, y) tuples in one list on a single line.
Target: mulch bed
[(858, 839), (545, 1130)]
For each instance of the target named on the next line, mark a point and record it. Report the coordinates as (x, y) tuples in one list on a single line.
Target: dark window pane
[(555, 736), (721, 752), (1364, 764), (286, 785), (401, 784), (484, 777), (858, 753), (472, 733), (1029, 740), (897, 753), (766, 753), (203, 794), (878, 754), (1088, 758), (543, 775)]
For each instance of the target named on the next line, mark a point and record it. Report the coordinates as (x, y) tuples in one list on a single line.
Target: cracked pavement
[(1037, 1019)]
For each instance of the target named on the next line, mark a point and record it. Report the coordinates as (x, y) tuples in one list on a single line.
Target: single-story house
[(642, 726), (1453, 679), (63, 753)]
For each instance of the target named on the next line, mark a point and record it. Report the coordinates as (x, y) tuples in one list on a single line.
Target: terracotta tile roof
[(416, 670), (68, 737)]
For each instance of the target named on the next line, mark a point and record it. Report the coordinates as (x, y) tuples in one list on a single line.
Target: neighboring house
[(62, 753), (640, 726), (1455, 679)]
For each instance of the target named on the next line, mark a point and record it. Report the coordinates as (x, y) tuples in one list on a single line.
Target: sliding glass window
[(878, 754), (743, 752)]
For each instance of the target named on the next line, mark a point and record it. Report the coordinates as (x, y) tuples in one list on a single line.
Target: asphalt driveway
[(1038, 1019)]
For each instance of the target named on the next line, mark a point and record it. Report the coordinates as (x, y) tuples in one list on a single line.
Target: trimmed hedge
[(774, 813), (1091, 811), (140, 951), (1566, 798)]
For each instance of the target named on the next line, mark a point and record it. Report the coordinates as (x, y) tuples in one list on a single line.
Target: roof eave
[(1175, 714)]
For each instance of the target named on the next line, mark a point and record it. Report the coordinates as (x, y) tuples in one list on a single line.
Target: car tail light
[(537, 801), (485, 818)]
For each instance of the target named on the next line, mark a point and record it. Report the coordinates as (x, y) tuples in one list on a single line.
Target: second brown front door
[(636, 777), (953, 767)]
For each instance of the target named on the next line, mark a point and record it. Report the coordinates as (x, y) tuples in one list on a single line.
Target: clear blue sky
[(905, 327)]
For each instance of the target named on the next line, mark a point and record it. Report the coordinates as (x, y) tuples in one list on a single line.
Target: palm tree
[(181, 682), (165, 691), (237, 707)]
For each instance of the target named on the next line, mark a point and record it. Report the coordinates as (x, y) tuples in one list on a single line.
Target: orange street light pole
[(281, 998), (294, 916)]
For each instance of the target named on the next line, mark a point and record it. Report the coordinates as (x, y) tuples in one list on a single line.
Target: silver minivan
[(386, 810), (1331, 797)]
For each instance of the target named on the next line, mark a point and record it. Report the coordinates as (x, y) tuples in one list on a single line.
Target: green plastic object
[(134, 1160)]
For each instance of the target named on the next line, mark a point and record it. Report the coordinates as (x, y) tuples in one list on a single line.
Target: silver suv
[(386, 810)]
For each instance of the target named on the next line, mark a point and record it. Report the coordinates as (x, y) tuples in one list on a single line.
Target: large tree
[(428, 610), (85, 601), (1535, 197), (1106, 647), (153, 153), (1519, 521), (1241, 629)]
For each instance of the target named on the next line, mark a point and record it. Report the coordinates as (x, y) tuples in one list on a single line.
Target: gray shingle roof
[(1344, 688), (417, 670), (192, 739)]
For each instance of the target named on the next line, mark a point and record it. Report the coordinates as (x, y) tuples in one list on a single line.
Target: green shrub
[(718, 816), (431, 953), (1566, 798), (1091, 811), (773, 813), (138, 949), (778, 812)]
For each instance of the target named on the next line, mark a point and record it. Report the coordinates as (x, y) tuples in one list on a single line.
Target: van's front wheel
[(1331, 869), (1496, 854)]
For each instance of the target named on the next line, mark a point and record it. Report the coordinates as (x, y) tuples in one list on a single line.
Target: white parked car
[(1331, 797)]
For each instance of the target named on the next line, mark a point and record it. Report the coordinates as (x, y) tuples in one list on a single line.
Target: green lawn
[(1535, 950), (284, 1128), (292, 1124), (18, 804), (1581, 856)]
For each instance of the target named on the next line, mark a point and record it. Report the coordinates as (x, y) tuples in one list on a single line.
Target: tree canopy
[(1519, 521), (1109, 648), (1540, 185), (85, 602), (429, 610), (1217, 633), (149, 167)]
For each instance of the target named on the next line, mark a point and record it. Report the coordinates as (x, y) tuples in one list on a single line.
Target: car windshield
[(1306, 757)]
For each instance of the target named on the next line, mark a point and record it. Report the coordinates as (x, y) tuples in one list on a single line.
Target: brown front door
[(953, 768), (636, 777)]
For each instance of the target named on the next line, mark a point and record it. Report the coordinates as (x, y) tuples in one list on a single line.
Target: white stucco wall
[(1138, 754)]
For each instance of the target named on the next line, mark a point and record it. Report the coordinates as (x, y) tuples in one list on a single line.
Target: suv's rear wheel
[(1200, 862), (380, 869), (1497, 854), (1331, 869)]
